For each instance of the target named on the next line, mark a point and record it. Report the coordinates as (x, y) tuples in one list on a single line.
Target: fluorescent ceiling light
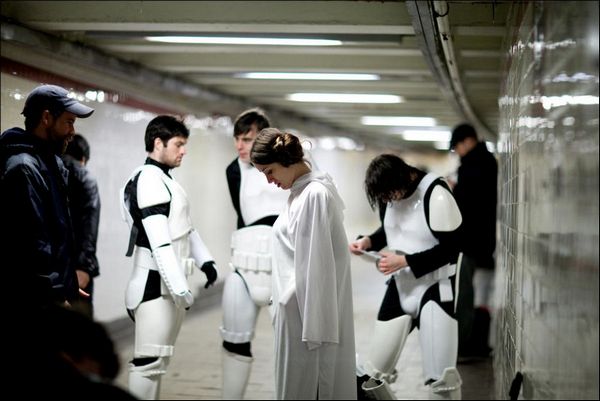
[(308, 75), (426, 135), (343, 98), (399, 121), (243, 41)]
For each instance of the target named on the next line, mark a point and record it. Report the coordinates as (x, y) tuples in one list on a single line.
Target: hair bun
[(279, 143)]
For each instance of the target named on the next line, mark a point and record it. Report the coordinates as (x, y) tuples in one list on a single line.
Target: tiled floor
[(195, 369)]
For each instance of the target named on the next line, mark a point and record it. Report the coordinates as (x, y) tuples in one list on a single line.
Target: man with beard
[(36, 236)]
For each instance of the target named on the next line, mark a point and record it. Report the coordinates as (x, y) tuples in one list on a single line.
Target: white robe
[(312, 295)]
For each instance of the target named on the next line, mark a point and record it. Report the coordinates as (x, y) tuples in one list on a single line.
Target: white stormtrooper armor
[(172, 241), (408, 230), (248, 288)]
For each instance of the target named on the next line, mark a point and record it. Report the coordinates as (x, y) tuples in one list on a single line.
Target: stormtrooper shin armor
[(246, 290)]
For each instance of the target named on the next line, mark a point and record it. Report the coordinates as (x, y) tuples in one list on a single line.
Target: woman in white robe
[(312, 289)]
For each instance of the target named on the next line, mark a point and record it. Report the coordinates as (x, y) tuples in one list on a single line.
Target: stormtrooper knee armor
[(145, 377), (246, 289)]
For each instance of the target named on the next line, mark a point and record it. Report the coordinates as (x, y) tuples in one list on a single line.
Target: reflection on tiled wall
[(547, 277)]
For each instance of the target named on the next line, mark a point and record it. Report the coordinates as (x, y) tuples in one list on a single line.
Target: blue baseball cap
[(56, 99)]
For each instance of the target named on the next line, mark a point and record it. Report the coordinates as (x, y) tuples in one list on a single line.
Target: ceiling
[(452, 76)]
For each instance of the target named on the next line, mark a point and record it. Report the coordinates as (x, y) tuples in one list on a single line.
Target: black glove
[(211, 273)]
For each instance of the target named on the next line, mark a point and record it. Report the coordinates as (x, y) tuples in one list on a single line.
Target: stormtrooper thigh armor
[(251, 258), (157, 323)]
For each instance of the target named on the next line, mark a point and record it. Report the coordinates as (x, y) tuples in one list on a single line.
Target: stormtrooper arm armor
[(157, 231), (202, 257), (198, 249), (444, 219), (444, 214), (151, 193)]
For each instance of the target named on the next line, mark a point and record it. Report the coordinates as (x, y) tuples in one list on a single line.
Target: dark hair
[(74, 334), (386, 175), (462, 132), (274, 146), (78, 148), (165, 128), (33, 114), (249, 119)]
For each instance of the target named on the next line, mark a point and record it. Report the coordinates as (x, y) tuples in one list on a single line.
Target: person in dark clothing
[(68, 356), (36, 239), (476, 195), (84, 205)]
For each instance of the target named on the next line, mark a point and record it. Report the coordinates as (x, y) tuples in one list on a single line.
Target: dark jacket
[(84, 205), (476, 194), (36, 239)]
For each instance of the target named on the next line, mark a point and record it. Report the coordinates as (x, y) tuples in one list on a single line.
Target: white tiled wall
[(547, 272)]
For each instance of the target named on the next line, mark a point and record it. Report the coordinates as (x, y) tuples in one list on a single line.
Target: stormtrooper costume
[(248, 288), (423, 226), (165, 247)]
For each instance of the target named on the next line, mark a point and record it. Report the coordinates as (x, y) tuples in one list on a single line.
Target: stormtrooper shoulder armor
[(151, 189), (444, 214)]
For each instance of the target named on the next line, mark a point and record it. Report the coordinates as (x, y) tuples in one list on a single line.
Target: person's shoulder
[(150, 171), (150, 176), (75, 169), (24, 161), (233, 166), (317, 191)]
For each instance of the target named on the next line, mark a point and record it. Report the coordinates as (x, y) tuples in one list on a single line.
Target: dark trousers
[(473, 323)]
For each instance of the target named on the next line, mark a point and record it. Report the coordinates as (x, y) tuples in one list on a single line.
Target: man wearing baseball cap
[(476, 195), (36, 238)]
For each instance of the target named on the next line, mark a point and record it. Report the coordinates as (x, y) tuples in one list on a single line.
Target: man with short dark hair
[(84, 204), (476, 195), (165, 248), (36, 239)]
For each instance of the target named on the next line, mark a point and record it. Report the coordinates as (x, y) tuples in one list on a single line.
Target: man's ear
[(158, 144), (47, 118)]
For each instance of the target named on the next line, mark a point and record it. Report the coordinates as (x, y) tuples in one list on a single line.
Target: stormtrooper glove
[(210, 270)]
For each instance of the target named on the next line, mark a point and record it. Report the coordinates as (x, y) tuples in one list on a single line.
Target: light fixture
[(343, 98), (308, 76), (224, 40), (399, 121), (426, 135)]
